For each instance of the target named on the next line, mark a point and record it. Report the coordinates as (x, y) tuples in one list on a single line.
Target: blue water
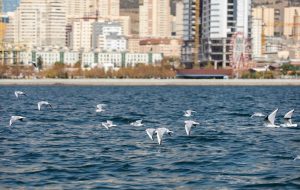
[(66, 148)]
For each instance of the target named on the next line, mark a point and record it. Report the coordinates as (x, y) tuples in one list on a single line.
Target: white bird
[(188, 113), (297, 157), (41, 103), (108, 124), (137, 123), (100, 108), (160, 133), (150, 132), (19, 93), (288, 120), (257, 114), (188, 126), (14, 119), (270, 119)]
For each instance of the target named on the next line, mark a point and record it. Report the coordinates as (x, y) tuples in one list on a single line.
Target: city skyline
[(229, 35)]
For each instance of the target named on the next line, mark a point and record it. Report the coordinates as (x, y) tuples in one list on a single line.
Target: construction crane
[(197, 31)]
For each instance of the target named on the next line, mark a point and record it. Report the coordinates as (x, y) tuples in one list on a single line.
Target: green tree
[(40, 63), (289, 67)]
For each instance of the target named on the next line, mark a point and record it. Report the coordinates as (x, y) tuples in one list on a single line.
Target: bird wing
[(100, 106), (105, 125), (288, 117), (16, 94), (39, 105), (15, 118), (139, 121), (195, 123), (188, 127), (12, 120), (270, 119), (289, 114), (150, 132), (160, 133)]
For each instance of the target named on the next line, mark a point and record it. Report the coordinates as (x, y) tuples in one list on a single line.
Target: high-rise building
[(80, 8), (56, 23), (267, 15), (40, 23), (289, 20), (296, 29), (155, 18), (109, 8), (179, 19), (189, 28), (30, 25), (221, 21), (81, 34), (256, 33), (9, 34)]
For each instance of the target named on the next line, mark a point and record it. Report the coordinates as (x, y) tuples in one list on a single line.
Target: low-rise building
[(169, 47), (103, 29), (112, 42), (88, 59)]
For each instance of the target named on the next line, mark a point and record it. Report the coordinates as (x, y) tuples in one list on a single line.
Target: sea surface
[(67, 148)]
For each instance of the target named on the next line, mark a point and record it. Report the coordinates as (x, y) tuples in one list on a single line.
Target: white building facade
[(89, 59), (56, 23), (40, 23), (112, 42), (256, 44), (81, 34), (108, 36)]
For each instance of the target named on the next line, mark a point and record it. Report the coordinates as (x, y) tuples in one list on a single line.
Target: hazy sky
[(10, 5)]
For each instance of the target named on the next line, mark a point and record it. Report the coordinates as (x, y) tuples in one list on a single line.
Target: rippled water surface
[(66, 148)]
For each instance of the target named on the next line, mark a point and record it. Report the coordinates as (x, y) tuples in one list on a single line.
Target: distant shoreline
[(150, 82)]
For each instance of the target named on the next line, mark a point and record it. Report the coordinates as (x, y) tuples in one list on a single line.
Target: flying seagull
[(19, 93), (137, 123), (270, 119), (108, 124), (100, 108), (188, 113), (297, 157), (14, 119), (188, 126), (288, 120), (41, 103), (257, 114), (159, 132)]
